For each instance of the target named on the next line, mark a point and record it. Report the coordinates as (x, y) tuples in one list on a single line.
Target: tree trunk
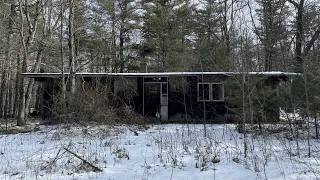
[(11, 92), (316, 126), (8, 100), (6, 112), (63, 90), (299, 36), (26, 41), (121, 38), (123, 7), (114, 45), (16, 104), (6, 63), (3, 92), (34, 95), (21, 113), (31, 81), (226, 33), (72, 47), (299, 52)]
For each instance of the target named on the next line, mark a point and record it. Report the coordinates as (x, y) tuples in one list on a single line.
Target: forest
[(169, 35), (117, 36)]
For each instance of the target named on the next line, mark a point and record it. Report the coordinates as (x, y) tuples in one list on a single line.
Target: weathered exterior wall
[(182, 95), (128, 83)]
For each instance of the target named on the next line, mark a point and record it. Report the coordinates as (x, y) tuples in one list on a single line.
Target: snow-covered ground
[(290, 116), (172, 151)]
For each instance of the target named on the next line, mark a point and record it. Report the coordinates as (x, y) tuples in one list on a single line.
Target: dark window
[(164, 88), (217, 92), (204, 92), (210, 92)]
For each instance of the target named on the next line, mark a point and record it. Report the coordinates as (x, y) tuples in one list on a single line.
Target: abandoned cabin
[(170, 96)]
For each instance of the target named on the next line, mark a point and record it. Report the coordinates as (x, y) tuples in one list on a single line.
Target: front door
[(152, 99)]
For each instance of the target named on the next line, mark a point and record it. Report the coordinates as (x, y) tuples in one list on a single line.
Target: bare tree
[(63, 90), (7, 62), (302, 49), (300, 53), (72, 47), (26, 41)]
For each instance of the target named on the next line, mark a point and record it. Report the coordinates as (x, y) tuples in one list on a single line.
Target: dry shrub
[(96, 104)]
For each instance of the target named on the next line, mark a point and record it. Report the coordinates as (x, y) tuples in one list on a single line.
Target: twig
[(95, 168), (49, 166), (132, 130)]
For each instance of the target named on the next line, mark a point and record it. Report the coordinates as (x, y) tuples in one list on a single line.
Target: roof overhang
[(158, 74)]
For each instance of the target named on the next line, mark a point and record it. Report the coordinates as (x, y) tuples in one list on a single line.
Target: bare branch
[(293, 2), (95, 168), (314, 37), (32, 26), (253, 23)]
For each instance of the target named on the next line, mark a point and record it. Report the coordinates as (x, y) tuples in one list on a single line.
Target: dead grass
[(9, 126)]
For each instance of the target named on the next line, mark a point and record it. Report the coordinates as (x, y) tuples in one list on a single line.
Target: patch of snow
[(172, 151), (290, 116)]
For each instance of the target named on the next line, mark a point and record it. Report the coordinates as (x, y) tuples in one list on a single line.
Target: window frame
[(198, 91), (210, 92)]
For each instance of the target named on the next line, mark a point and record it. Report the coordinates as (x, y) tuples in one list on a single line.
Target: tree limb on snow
[(49, 166), (95, 168)]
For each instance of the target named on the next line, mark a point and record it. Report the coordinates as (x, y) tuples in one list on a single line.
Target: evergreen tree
[(167, 34), (116, 23), (271, 30), (215, 35)]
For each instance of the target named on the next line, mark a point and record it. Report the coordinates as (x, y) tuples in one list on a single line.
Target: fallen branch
[(95, 168), (50, 164), (132, 130)]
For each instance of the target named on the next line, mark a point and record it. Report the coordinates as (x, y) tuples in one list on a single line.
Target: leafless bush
[(93, 104)]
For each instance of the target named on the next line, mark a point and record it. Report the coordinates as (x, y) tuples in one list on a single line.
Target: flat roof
[(157, 74)]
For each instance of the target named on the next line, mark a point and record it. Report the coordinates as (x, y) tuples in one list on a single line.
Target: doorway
[(151, 99), (155, 97)]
